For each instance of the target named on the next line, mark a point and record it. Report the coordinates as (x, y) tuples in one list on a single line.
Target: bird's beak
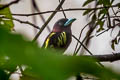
[(69, 21)]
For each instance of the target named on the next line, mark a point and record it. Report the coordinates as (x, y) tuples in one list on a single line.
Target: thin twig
[(34, 18), (108, 16), (49, 19), (86, 49), (9, 4), (91, 27), (82, 44), (86, 37), (108, 28), (63, 11), (117, 11), (113, 16), (114, 12), (41, 16), (25, 22), (70, 9), (79, 38), (102, 32)]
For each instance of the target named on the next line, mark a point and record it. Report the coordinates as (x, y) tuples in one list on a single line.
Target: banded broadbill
[(61, 35)]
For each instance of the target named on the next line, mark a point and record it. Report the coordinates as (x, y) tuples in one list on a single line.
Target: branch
[(49, 19), (63, 11), (25, 22), (103, 32), (41, 16), (86, 37), (82, 45), (7, 5), (70, 9), (75, 51), (107, 57), (86, 49)]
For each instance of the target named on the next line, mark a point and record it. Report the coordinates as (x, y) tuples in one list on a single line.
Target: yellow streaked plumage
[(61, 39), (64, 37), (47, 41)]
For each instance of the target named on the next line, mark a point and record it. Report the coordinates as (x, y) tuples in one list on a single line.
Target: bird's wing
[(56, 40)]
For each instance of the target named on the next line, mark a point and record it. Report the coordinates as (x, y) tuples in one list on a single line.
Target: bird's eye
[(60, 23)]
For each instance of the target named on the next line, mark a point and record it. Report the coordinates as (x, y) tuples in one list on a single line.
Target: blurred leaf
[(7, 23), (115, 40), (102, 17), (101, 23), (104, 2), (87, 11), (103, 11), (46, 64), (118, 5), (119, 39), (27, 77), (113, 46), (100, 29), (112, 1), (99, 2), (87, 2), (6, 64), (3, 75), (94, 17)]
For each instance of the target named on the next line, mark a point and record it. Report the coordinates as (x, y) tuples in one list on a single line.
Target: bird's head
[(63, 24)]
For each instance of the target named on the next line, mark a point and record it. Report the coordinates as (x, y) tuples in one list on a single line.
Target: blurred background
[(98, 45)]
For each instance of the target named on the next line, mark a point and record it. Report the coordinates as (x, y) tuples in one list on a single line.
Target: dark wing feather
[(57, 40)]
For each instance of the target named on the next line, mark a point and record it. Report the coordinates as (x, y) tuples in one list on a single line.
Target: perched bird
[(61, 35)]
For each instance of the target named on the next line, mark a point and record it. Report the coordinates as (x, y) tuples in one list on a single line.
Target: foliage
[(8, 23), (101, 16), (43, 64)]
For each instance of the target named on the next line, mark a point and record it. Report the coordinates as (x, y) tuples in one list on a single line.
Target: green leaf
[(100, 23), (3, 75), (104, 2), (113, 46), (6, 23), (94, 17), (112, 2), (100, 29), (47, 64), (87, 12), (7, 64), (87, 2), (115, 40), (102, 12), (118, 5)]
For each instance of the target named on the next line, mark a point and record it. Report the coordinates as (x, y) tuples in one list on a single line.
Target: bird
[(61, 35)]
